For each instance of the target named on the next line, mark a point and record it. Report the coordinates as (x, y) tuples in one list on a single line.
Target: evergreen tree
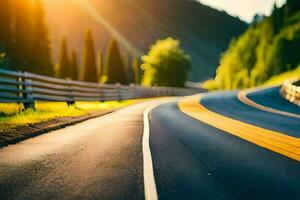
[(41, 53), (63, 67), (100, 64), (277, 18), (22, 33), (114, 67), (74, 66), (5, 25), (127, 60), (88, 68), (136, 70)]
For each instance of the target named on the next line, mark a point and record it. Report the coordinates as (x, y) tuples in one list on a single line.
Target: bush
[(166, 64), (210, 85)]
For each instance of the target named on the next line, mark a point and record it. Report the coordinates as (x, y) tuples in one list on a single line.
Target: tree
[(136, 70), (88, 67), (166, 64), (4, 61), (114, 69), (41, 52), (5, 24), (100, 64), (74, 66), (291, 7), (22, 32), (64, 67)]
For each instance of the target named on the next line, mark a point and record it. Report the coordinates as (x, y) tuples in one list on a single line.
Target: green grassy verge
[(274, 81), (279, 79), (12, 116)]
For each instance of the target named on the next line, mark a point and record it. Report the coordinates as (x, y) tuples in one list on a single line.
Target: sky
[(244, 9)]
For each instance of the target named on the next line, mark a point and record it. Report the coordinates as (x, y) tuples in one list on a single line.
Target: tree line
[(24, 36), (269, 47), (94, 66), (25, 45)]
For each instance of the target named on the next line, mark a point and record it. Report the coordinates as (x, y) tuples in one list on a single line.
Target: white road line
[(242, 96), (149, 180)]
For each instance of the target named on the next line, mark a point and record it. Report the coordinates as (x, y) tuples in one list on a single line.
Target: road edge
[(44, 130), (243, 97)]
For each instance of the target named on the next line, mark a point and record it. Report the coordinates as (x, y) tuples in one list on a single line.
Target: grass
[(13, 115), (274, 81), (279, 79), (210, 85)]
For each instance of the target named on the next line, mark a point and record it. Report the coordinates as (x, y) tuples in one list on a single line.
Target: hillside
[(266, 49), (203, 31)]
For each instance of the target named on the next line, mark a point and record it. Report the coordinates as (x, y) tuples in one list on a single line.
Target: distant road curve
[(273, 108)]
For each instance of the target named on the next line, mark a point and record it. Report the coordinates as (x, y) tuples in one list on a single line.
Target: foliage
[(267, 48), (5, 24), (88, 66), (4, 60), (41, 53), (64, 67), (12, 117), (210, 85), (279, 79), (204, 32), (24, 35), (100, 64), (21, 50), (136, 70), (114, 69), (166, 64), (74, 66)]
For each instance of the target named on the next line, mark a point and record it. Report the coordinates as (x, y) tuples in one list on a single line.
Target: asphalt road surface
[(213, 146)]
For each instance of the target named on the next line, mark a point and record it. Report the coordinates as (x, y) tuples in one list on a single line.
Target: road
[(220, 145)]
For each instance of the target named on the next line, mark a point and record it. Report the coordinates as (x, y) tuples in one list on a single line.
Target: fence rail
[(290, 91), (24, 87)]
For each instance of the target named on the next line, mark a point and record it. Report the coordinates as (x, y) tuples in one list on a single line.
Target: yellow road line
[(242, 96), (278, 142)]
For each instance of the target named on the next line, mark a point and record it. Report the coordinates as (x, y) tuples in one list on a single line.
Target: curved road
[(210, 146)]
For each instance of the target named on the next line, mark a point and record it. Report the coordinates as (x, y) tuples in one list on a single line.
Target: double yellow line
[(278, 142)]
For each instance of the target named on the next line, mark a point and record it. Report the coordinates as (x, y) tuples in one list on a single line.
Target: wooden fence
[(290, 91), (24, 87)]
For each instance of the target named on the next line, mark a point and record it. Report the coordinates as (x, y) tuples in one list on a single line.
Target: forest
[(25, 45), (268, 48)]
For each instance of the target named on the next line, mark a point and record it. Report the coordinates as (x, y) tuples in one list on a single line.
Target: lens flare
[(89, 8)]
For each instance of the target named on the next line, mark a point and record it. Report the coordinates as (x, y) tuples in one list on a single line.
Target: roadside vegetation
[(13, 115), (279, 79), (267, 49), (166, 64)]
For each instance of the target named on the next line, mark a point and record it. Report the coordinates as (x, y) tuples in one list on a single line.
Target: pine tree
[(41, 53), (114, 68), (128, 67), (5, 25), (88, 67), (63, 67), (22, 33), (100, 64), (74, 66), (136, 70)]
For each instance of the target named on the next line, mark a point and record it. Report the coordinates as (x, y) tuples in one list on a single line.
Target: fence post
[(118, 88), (70, 101), (101, 93), (28, 94)]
